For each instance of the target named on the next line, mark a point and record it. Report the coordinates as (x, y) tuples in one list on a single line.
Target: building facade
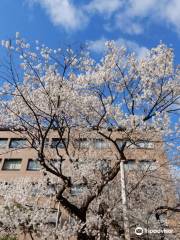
[(18, 157)]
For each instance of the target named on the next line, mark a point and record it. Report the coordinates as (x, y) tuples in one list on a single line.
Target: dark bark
[(84, 236), (103, 232)]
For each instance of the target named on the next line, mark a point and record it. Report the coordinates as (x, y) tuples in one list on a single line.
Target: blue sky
[(138, 24)]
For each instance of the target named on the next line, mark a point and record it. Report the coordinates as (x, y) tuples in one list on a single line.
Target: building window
[(139, 144), (142, 144), (83, 143), (58, 143), (33, 165), (18, 143), (119, 142), (36, 143), (100, 144), (145, 144), (46, 143), (131, 144), (3, 142), (148, 164), (77, 189), (12, 164), (130, 164)]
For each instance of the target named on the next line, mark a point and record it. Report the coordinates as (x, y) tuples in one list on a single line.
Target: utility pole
[(58, 215), (124, 202)]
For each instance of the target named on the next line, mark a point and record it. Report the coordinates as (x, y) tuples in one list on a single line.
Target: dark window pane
[(12, 164), (142, 144), (18, 143), (3, 142), (78, 189), (36, 143), (100, 144), (148, 164), (57, 143), (33, 165), (83, 143), (130, 164), (119, 142)]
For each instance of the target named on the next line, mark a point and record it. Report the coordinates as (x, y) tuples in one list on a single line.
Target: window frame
[(6, 144), (130, 167), (30, 169), (18, 140), (102, 143), (152, 166), (143, 144), (59, 143), (83, 143), (12, 169), (35, 144), (80, 188)]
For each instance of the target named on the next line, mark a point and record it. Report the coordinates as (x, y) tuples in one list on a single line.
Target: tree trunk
[(84, 236), (58, 215), (103, 232), (124, 202)]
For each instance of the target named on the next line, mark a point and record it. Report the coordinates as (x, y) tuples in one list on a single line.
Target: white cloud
[(172, 14), (130, 19), (140, 51), (98, 46), (126, 24), (64, 13), (142, 7), (130, 16), (133, 17), (104, 6)]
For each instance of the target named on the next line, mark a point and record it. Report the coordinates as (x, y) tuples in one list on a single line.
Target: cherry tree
[(134, 96), (80, 99)]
